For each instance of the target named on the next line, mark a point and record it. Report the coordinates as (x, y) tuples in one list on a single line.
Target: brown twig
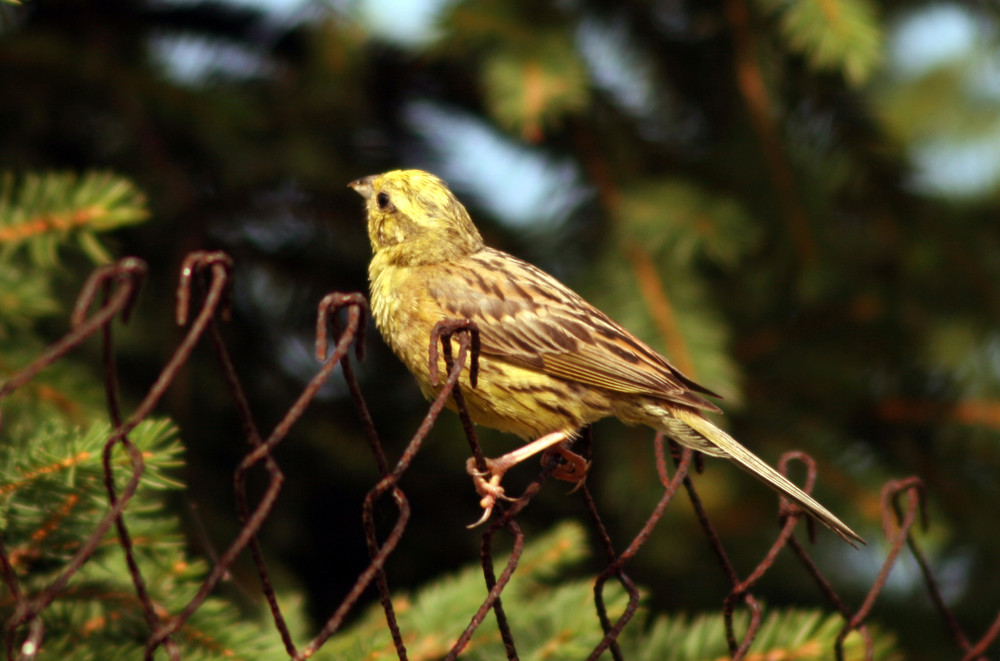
[(750, 81)]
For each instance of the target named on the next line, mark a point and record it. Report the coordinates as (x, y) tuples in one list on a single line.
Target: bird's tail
[(711, 440)]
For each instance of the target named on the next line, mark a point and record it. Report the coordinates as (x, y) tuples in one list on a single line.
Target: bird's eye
[(382, 200)]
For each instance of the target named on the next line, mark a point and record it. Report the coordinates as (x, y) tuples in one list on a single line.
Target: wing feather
[(528, 318)]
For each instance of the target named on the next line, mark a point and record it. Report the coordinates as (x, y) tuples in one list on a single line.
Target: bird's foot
[(487, 485), (573, 468)]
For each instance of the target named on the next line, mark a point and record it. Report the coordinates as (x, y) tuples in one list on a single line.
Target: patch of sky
[(931, 37), (984, 78), (954, 169), (629, 79), (279, 10), (273, 231), (951, 35), (282, 8), (405, 23), (267, 297), (520, 185), (194, 59), (271, 300), (297, 356), (616, 67), (905, 581)]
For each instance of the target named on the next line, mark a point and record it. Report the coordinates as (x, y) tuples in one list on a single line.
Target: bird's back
[(549, 360)]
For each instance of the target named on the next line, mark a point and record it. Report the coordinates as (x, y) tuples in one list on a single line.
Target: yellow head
[(414, 219)]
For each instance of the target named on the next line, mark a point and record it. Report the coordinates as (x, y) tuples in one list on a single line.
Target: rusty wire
[(902, 501)]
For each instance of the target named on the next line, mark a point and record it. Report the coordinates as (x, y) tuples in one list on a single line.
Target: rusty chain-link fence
[(115, 286)]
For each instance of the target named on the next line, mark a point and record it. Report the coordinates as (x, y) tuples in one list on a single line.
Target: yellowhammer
[(550, 362)]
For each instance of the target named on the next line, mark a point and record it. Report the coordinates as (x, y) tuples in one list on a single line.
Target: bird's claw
[(490, 489), (579, 483), (487, 512)]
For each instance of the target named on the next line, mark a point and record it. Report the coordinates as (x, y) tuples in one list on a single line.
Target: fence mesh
[(109, 293)]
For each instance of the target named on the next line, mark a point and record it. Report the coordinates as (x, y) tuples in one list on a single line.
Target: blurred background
[(796, 201)]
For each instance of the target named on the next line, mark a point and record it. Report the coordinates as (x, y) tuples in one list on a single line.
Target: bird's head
[(414, 219)]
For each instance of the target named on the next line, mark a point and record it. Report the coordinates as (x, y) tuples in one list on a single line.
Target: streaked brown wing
[(528, 318)]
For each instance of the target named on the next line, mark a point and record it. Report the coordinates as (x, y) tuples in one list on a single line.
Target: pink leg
[(490, 489)]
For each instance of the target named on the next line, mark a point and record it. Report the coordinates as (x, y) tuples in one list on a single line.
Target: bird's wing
[(528, 318)]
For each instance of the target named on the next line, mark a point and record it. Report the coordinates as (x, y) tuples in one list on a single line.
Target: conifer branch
[(553, 618), (840, 35), (42, 210)]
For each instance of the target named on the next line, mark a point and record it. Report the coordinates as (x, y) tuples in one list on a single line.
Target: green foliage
[(434, 617), (52, 496), (679, 221), (532, 75), (42, 212), (52, 485), (23, 298), (66, 392), (838, 35), (950, 105), (531, 86), (62, 464), (555, 618), (784, 634)]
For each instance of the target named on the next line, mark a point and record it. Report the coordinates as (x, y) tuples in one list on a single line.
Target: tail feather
[(721, 444)]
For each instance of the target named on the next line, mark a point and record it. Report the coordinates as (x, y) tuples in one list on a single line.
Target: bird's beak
[(363, 186)]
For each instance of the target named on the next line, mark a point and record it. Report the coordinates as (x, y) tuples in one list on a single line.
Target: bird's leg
[(488, 483)]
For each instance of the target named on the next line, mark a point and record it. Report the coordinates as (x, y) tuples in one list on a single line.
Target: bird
[(550, 363)]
